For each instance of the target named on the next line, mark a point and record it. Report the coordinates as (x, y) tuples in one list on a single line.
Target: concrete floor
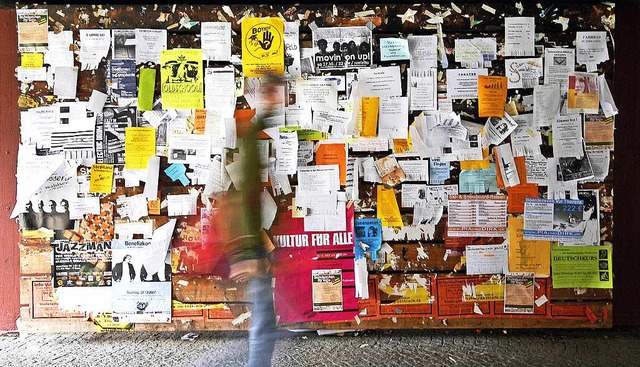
[(620, 347)]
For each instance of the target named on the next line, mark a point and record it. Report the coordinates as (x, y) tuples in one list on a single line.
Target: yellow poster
[(103, 323), (414, 290), (32, 61), (139, 146), (262, 47), (370, 107), (177, 305), (181, 74), (101, 178), (492, 95), (527, 256), (153, 206), (388, 210)]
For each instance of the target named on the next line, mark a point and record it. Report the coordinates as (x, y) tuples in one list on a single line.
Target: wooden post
[(9, 140)]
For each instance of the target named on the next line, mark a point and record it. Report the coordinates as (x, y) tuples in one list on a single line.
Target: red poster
[(297, 254), (450, 297)]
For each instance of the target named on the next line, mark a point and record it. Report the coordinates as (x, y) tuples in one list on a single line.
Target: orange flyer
[(521, 166), (517, 194), (492, 95), (333, 154)]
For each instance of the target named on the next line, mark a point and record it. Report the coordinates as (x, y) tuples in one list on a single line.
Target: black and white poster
[(123, 44), (291, 50), (141, 285), (342, 48), (110, 128), (81, 264), (49, 206), (575, 168), (142, 278)]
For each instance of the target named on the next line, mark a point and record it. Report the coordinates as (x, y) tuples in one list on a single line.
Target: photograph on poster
[(342, 48)]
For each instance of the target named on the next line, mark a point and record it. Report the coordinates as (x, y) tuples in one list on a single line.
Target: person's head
[(127, 258), (322, 44), (336, 46), (344, 47), (352, 47), (272, 97), (364, 48), (581, 85)]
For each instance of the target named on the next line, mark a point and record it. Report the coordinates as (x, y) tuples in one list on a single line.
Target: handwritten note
[(32, 61)]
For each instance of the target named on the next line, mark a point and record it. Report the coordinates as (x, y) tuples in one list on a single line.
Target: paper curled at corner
[(606, 99), (156, 252), (476, 309)]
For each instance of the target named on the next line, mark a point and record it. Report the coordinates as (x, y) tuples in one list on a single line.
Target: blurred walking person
[(237, 226)]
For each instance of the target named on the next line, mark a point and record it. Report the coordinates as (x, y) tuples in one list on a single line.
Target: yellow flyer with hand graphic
[(262, 47)]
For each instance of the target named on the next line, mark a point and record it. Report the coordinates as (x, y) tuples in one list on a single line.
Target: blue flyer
[(553, 220), (368, 236)]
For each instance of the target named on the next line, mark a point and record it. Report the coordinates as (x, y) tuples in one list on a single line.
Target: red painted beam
[(9, 140)]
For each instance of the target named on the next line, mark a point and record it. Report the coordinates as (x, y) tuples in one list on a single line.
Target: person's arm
[(117, 272)]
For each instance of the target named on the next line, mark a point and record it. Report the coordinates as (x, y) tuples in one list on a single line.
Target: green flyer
[(146, 89), (581, 266)]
